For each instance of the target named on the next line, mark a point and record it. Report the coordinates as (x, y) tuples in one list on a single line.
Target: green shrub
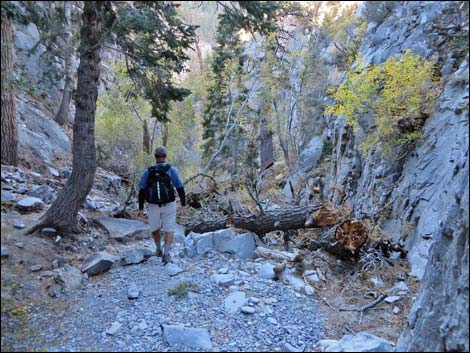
[(399, 94), (182, 289)]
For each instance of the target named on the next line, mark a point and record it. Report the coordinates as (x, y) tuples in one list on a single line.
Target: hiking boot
[(166, 258), (158, 253)]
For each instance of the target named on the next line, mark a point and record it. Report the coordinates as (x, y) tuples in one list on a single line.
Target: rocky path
[(233, 309)]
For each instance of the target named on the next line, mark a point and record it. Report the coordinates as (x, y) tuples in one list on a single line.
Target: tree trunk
[(165, 135), (146, 137), (8, 124), (280, 219), (62, 215), (199, 54), (266, 145), (62, 116)]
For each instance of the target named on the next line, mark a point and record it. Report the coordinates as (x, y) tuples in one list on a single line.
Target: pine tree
[(228, 63)]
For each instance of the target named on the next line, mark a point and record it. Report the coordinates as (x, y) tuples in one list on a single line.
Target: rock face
[(438, 320), (417, 196), (418, 188), (98, 263), (196, 338), (122, 229), (225, 240)]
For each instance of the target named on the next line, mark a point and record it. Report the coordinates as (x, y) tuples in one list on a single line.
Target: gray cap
[(160, 152)]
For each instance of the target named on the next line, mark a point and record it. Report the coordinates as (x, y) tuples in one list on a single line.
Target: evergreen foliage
[(154, 39), (228, 62)]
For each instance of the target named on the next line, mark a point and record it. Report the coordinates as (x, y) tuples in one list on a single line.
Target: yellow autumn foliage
[(401, 92)]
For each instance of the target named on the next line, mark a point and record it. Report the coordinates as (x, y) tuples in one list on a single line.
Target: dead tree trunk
[(62, 214), (8, 122), (62, 116), (280, 219), (343, 240), (146, 137)]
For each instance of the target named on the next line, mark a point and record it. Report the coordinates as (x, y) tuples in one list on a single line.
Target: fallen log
[(344, 239), (274, 254), (279, 219)]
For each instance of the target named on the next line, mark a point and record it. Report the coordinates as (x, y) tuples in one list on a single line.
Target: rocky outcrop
[(417, 196), (438, 320), (406, 195)]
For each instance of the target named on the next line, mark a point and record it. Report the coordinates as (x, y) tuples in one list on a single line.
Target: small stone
[(4, 251), (55, 263), (224, 280), (254, 300), (35, 268), (18, 224), (19, 245), (392, 299), (223, 270), (247, 309), (53, 171), (399, 287), (272, 320), (133, 292), (290, 348), (142, 325), (47, 274), (57, 239), (234, 301), (115, 327), (173, 269), (396, 310), (233, 288), (54, 290), (49, 231)]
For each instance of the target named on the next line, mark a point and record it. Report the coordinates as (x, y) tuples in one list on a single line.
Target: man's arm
[(142, 185), (178, 184)]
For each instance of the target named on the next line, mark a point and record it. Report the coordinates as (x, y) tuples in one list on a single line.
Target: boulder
[(98, 263), (234, 301), (122, 229), (135, 256), (30, 204), (224, 240), (365, 342), (266, 271), (196, 338), (43, 192), (8, 196), (69, 277)]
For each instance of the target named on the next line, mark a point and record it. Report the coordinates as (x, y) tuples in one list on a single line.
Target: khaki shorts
[(163, 217)]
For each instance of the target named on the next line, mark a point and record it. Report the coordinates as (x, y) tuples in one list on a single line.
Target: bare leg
[(167, 246), (157, 239)]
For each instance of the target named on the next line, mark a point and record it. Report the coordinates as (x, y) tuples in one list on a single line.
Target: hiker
[(156, 187)]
